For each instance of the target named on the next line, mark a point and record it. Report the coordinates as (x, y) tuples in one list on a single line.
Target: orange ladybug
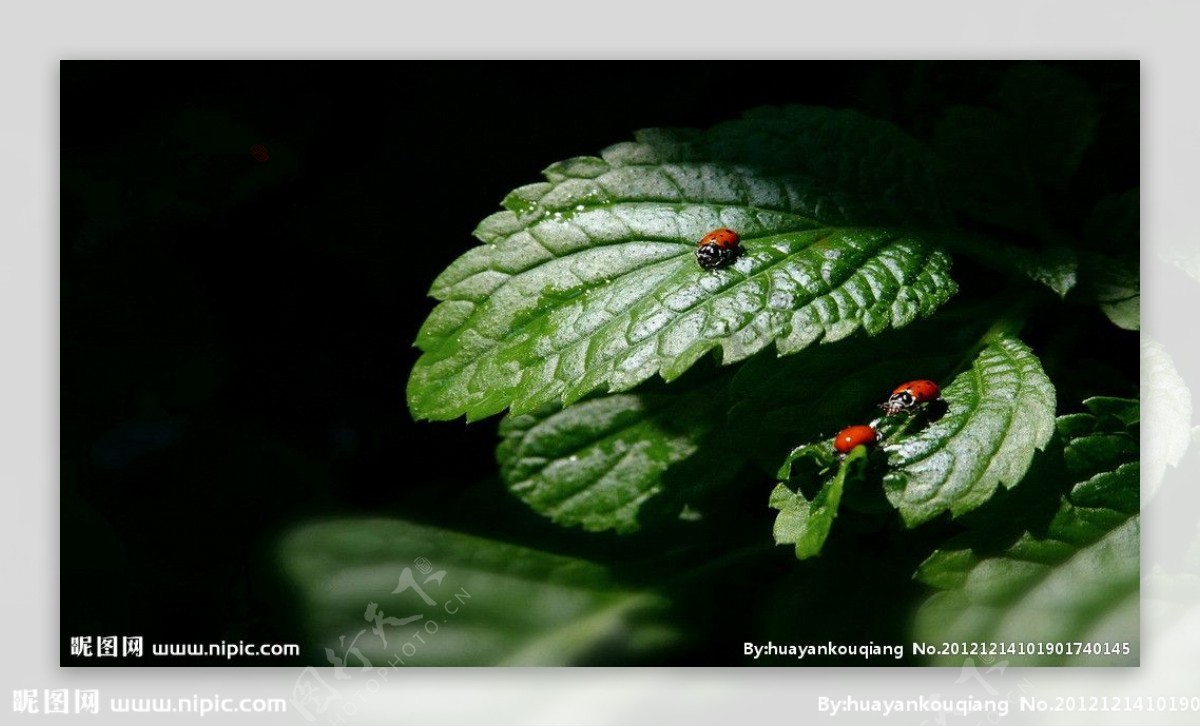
[(718, 248), (909, 395), (852, 436)]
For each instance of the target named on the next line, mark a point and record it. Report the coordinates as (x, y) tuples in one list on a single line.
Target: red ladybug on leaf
[(718, 248), (909, 395), (854, 435)]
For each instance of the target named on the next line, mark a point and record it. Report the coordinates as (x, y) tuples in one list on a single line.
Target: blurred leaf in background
[(464, 600)]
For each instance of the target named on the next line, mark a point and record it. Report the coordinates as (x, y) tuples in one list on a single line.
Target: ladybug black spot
[(711, 255)]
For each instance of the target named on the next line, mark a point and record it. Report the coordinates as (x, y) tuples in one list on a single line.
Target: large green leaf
[(493, 603), (617, 460), (1073, 580), (999, 413), (588, 282)]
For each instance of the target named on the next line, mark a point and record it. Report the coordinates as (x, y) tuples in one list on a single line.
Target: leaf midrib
[(540, 315), (998, 442), (854, 268)]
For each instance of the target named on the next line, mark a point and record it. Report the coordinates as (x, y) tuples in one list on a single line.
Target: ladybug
[(852, 436), (908, 395), (718, 248)]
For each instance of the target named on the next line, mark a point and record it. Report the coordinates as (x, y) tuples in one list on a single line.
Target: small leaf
[(493, 603), (806, 523), (618, 460), (1074, 580), (999, 412), (1053, 266), (589, 281), (1056, 267), (1167, 401)]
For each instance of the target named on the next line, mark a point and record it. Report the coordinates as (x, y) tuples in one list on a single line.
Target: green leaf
[(493, 604), (999, 412), (803, 522), (589, 281), (1072, 580), (617, 461), (1055, 267)]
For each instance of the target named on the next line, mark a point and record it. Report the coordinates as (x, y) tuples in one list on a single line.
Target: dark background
[(236, 334)]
